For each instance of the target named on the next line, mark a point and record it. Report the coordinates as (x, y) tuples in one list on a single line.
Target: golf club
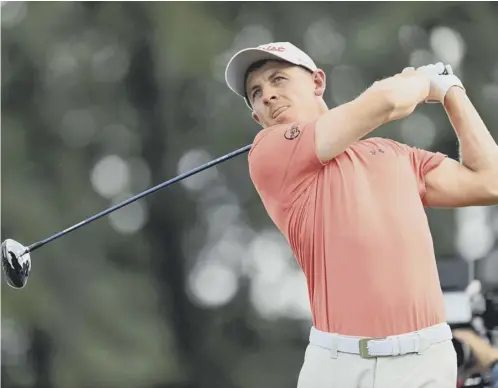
[(16, 260)]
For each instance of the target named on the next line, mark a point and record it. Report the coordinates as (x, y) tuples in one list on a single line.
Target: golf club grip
[(203, 167)]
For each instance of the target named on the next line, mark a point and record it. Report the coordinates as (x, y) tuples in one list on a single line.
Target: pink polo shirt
[(357, 227)]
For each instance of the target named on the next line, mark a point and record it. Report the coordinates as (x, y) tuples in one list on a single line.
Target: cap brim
[(240, 62)]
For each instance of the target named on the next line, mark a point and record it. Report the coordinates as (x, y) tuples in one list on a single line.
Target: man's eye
[(278, 78), (256, 93)]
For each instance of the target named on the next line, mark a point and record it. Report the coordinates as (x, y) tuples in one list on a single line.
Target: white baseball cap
[(237, 66)]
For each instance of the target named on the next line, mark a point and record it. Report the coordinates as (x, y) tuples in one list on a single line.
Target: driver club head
[(16, 263)]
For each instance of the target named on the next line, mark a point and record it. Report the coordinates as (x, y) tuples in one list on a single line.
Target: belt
[(413, 342)]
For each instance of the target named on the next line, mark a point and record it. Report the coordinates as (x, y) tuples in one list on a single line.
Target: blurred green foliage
[(143, 81)]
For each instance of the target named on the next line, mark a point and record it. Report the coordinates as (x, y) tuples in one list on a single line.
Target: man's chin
[(284, 118)]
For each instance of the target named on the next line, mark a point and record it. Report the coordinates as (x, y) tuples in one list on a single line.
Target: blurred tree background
[(192, 286)]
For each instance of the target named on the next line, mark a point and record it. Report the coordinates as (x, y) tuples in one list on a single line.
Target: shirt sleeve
[(423, 162), (283, 161)]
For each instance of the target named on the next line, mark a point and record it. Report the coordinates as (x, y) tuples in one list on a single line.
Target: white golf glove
[(442, 79)]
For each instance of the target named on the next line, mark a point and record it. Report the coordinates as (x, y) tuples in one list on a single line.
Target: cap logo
[(274, 48)]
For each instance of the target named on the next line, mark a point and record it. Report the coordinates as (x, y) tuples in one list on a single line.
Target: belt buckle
[(364, 347)]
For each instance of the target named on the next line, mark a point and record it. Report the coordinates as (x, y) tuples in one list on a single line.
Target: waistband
[(413, 342)]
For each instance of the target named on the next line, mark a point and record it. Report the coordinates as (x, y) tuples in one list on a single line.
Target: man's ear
[(256, 118), (319, 80)]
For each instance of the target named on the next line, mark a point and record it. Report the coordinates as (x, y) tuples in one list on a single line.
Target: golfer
[(353, 212)]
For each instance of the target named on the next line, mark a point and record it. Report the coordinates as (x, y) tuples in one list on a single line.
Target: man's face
[(282, 93)]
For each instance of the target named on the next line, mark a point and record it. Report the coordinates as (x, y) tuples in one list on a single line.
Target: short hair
[(258, 65)]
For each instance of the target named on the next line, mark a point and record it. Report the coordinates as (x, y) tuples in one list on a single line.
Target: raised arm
[(478, 149), (390, 99), (473, 181)]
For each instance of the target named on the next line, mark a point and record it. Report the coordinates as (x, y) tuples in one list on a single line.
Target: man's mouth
[(278, 111)]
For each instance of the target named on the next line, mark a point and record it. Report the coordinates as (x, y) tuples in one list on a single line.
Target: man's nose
[(269, 96)]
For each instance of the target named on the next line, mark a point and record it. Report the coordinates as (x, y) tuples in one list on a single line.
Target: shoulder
[(263, 134), (280, 133), (284, 131)]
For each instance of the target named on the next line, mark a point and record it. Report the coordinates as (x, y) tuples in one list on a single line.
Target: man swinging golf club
[(353, 212)]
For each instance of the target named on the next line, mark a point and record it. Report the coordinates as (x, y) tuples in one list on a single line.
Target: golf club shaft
[(41, 243)]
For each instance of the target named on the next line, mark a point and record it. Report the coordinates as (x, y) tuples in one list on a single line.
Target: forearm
[(402, 93), (406, 93), (387, 100), (478, 150), (337, 129)]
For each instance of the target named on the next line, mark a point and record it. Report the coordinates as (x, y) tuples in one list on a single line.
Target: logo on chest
[(377, 151)]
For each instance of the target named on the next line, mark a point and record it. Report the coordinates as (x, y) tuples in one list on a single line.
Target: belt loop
[(333, 344)]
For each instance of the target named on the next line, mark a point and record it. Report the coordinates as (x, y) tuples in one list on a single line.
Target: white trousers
[(435, 367)]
